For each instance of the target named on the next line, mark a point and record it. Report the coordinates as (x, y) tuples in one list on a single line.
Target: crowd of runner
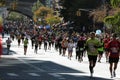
[(94, 45)]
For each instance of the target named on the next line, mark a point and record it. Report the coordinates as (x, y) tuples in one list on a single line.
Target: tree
[(36, 6), (53, 19), (1, 24), (2, 3), (15, 16), (115, 3), (114, 21), (41, 14), (98, 15), (71, 7), (115, 18)]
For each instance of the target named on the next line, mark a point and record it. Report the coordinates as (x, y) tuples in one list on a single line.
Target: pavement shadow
[(4, 51), (22, 66)]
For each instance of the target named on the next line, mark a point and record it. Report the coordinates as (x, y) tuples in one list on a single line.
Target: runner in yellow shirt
[(25, 45), (91, 46)]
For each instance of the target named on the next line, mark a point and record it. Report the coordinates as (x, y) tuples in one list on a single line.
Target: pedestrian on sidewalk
[(25, 45), (114, 52), (8, 41), (91, 46)]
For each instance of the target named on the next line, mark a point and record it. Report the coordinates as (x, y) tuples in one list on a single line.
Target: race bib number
[(81, 49), (114, 50), (77, 49), (92, 48)]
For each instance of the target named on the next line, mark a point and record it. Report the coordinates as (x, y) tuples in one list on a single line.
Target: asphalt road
[(41, 66), (22, 68)]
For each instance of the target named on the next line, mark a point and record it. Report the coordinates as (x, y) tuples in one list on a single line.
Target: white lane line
[(56, 75), (35, 67), (73, 74), (62, 78), (54, 69), (34, 74), (12, 74)]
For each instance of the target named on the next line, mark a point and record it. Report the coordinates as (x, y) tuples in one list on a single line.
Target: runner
[(81, 47), (91, 46), (8, 41), (49, 42), (25, 45), (64, 46), (1, 50), (114, 49), (19, 40), (100, 50), (40, 41), (36, 45), (106, 40), (70, 49), (59, 44), (32, 41), (22, 37), (45, 43)]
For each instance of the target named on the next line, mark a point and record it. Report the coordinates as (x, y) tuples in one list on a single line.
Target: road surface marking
[(55, 75), (35, 67), (12, 74), (62, 78), (33, 74)]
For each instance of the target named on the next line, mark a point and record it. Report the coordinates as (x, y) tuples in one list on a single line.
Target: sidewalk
[(101, 70)]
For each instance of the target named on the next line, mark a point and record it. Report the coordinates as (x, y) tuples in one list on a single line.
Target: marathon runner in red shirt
[(114, 49), (106, 40)]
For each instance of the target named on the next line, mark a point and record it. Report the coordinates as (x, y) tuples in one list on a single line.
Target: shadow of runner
[(82, 77), (4, 51)]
